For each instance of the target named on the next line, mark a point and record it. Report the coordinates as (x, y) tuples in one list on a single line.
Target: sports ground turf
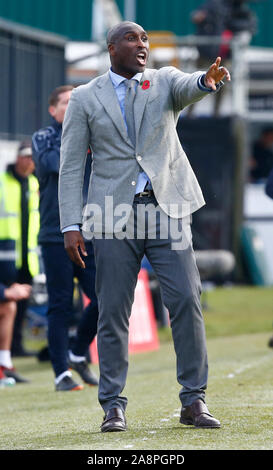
[(240, 391)]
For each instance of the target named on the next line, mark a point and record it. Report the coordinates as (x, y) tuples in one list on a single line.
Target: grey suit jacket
[(94, 118)]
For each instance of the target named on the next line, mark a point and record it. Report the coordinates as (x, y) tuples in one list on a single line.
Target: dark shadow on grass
[(31, 367)]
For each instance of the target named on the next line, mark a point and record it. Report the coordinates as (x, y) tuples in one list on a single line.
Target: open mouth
[(141, 58)]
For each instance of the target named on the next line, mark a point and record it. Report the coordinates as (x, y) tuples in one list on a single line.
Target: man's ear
[(111, 49), (52, 110)]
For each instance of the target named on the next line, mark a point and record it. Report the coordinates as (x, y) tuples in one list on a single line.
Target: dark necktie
[(129, 109)]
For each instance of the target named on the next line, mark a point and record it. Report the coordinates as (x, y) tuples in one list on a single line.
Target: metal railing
[(32, 63)]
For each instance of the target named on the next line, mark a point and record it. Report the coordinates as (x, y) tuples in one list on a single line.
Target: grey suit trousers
[(118, 262)]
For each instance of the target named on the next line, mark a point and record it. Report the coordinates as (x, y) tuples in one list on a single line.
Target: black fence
[(32, 64), (216, 148)]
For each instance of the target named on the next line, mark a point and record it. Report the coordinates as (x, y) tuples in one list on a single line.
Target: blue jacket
[(46, 144), (269, 185)]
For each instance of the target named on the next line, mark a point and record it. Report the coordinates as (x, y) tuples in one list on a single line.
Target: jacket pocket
[(181, 176)]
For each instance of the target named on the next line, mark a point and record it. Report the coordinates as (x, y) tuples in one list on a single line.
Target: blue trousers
[(60, 273)]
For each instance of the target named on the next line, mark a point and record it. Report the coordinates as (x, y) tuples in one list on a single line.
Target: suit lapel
[(106, 94), (141, 99)]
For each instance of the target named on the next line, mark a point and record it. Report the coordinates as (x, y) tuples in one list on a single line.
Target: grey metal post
[(240, 76), (130, 10)]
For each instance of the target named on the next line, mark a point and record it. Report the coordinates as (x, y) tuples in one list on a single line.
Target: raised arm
[(188, 88)]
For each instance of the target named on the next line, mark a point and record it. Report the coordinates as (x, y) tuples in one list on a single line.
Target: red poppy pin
[(145, 85)]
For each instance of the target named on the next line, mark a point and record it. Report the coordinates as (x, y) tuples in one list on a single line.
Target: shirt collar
[(118, 79)]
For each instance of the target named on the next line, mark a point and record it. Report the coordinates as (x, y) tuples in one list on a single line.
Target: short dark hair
[(54, 96), (114, 33)]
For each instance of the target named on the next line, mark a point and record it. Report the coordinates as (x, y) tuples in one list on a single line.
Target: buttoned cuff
[(70, 228), (202, 86)]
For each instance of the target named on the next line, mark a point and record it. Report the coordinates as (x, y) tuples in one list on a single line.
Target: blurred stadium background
[(46, 43)]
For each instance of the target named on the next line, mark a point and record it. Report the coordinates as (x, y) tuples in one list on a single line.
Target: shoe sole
[(190, 423), (78, 387), (114, 429)]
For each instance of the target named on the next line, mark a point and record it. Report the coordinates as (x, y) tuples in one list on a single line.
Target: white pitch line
[(250, 365)]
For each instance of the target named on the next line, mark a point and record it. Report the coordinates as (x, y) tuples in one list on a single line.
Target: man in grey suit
[(128, 116)]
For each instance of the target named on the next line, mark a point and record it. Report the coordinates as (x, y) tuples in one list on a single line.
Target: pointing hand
[(215, 74)]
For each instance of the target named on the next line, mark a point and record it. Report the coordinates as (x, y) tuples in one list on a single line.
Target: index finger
[(218, 61), (215, 65), (74, 255)]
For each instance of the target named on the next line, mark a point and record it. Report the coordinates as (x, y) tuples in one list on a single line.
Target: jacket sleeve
[(188, 88), (46, 153), (269, 185), (74, 147)]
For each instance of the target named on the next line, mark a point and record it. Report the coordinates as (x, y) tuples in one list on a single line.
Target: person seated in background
[(9, 295), (261, 161)]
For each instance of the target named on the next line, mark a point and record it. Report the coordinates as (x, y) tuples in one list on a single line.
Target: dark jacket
[(269, 185), (46, 154), (46, 145), (212, 25), (264, 161)]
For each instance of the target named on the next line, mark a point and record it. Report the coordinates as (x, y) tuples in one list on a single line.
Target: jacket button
[(133, 183), (139, 157)]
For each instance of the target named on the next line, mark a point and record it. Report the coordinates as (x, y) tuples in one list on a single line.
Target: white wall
[(8, 150)]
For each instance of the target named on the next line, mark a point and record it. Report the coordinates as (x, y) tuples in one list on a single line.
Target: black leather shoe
[(197, 414), (114, 421)]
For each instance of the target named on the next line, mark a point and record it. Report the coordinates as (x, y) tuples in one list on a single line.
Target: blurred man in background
[(226, 19), (209, 20), (222, 20), (240, 19), (59, 269), (261, 161), (19, 227)]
